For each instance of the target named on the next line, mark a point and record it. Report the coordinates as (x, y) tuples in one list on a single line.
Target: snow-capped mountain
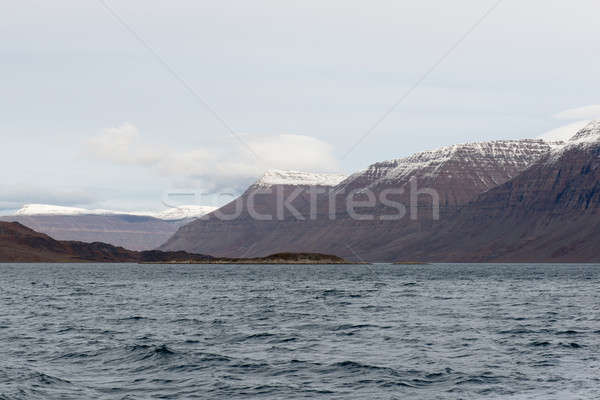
[(485, 164), (297, 178), (236, 220), (171, 214), (457, 173), (589, 134), (549, 212), (564, 133)]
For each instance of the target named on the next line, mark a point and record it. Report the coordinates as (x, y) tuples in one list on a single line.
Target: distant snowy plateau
[(171, 214)]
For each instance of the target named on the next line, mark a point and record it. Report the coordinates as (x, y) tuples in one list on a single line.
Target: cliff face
[(550, 212), (457, 174), (21, 244)]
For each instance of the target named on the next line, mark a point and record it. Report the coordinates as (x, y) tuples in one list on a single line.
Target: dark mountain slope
[(130, 231), (21, 244), (549, 213)]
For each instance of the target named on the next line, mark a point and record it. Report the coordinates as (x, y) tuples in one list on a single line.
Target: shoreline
[(251, 262)]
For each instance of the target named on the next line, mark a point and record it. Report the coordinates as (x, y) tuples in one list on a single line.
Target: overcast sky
[(90, 117)]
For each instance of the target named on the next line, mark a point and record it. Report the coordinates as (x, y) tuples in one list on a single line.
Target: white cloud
[(587, 112), (565, 132), (216, 168), (121, 145), (295, 152)]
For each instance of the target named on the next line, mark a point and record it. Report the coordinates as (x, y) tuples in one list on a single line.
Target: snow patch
[(590, 133), (181, 212), (298, 178), (564, 133), (588, 136)]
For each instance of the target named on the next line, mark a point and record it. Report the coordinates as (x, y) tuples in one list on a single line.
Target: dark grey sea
[(443, 331)]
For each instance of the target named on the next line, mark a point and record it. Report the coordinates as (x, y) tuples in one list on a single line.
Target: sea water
[(440, 331)]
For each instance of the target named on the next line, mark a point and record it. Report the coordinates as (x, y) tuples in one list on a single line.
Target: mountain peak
[(590, 133), (298, 178), (588, 136)]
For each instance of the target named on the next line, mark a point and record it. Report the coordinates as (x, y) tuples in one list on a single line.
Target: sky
[(116, 104)]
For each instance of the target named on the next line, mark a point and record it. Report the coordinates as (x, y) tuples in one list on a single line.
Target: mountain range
[(529, 200), (508, 200), (548, 213)]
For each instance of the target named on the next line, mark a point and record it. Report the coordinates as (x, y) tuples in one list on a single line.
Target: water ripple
[(296, 332)]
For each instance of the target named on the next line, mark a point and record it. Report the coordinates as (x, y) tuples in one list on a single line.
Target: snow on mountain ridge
[(180, 212), (516, 154), (590, 133), (585, 137), (298, 178), (171, 214)]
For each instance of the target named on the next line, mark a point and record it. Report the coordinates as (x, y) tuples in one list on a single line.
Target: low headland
[(279, 258)]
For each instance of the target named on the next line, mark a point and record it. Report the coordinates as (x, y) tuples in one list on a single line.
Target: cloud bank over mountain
[(583, 115), (214, 168), (590, 112)]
